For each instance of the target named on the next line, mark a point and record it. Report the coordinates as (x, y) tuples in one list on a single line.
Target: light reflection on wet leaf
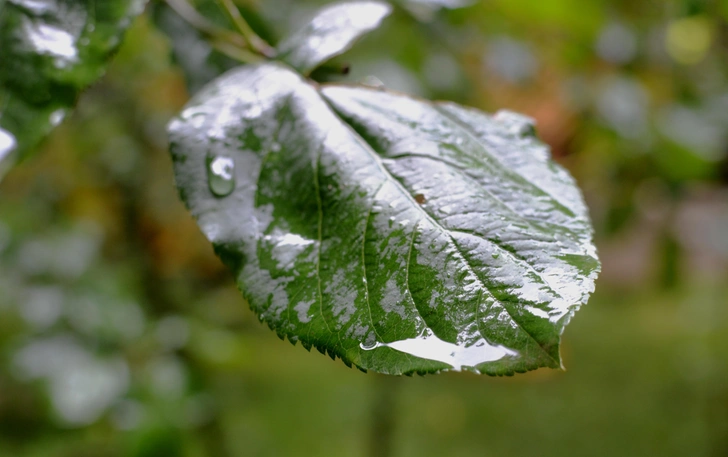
[(341, 237)]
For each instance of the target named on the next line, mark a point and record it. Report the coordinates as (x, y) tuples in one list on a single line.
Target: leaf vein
[(378, 160), (319, 203), (474, 135), (364, 267)]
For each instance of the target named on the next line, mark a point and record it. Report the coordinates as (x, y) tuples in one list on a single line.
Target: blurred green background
[(122, 335)]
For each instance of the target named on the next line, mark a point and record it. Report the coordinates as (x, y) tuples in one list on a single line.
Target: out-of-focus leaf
[(425, 10), (330, 33), (399, 235), (452, 4), (50, 50)]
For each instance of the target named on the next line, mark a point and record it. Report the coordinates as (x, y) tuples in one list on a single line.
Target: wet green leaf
[(399, 235), (330, 33), (50, 51)]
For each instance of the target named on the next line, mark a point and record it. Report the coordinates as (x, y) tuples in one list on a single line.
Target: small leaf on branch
[(330, 33)]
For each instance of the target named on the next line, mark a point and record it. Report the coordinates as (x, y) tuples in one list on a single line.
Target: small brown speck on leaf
[(419, 198)]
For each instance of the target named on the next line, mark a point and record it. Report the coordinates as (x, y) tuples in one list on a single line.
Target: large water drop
[(221, 175), (428, 346)]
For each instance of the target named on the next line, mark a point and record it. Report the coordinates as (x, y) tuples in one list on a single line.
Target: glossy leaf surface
[(50, 50), (399, 235), (330, 33)]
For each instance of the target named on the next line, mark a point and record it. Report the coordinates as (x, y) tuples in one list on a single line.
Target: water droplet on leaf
[(221, 175), (369, 346)]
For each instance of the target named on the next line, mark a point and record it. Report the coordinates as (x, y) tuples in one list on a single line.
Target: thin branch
[(255, 42), (204, 26), (236, 52)]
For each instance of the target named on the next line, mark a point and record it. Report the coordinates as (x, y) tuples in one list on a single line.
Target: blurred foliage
[(51, 51), (122, 335)]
